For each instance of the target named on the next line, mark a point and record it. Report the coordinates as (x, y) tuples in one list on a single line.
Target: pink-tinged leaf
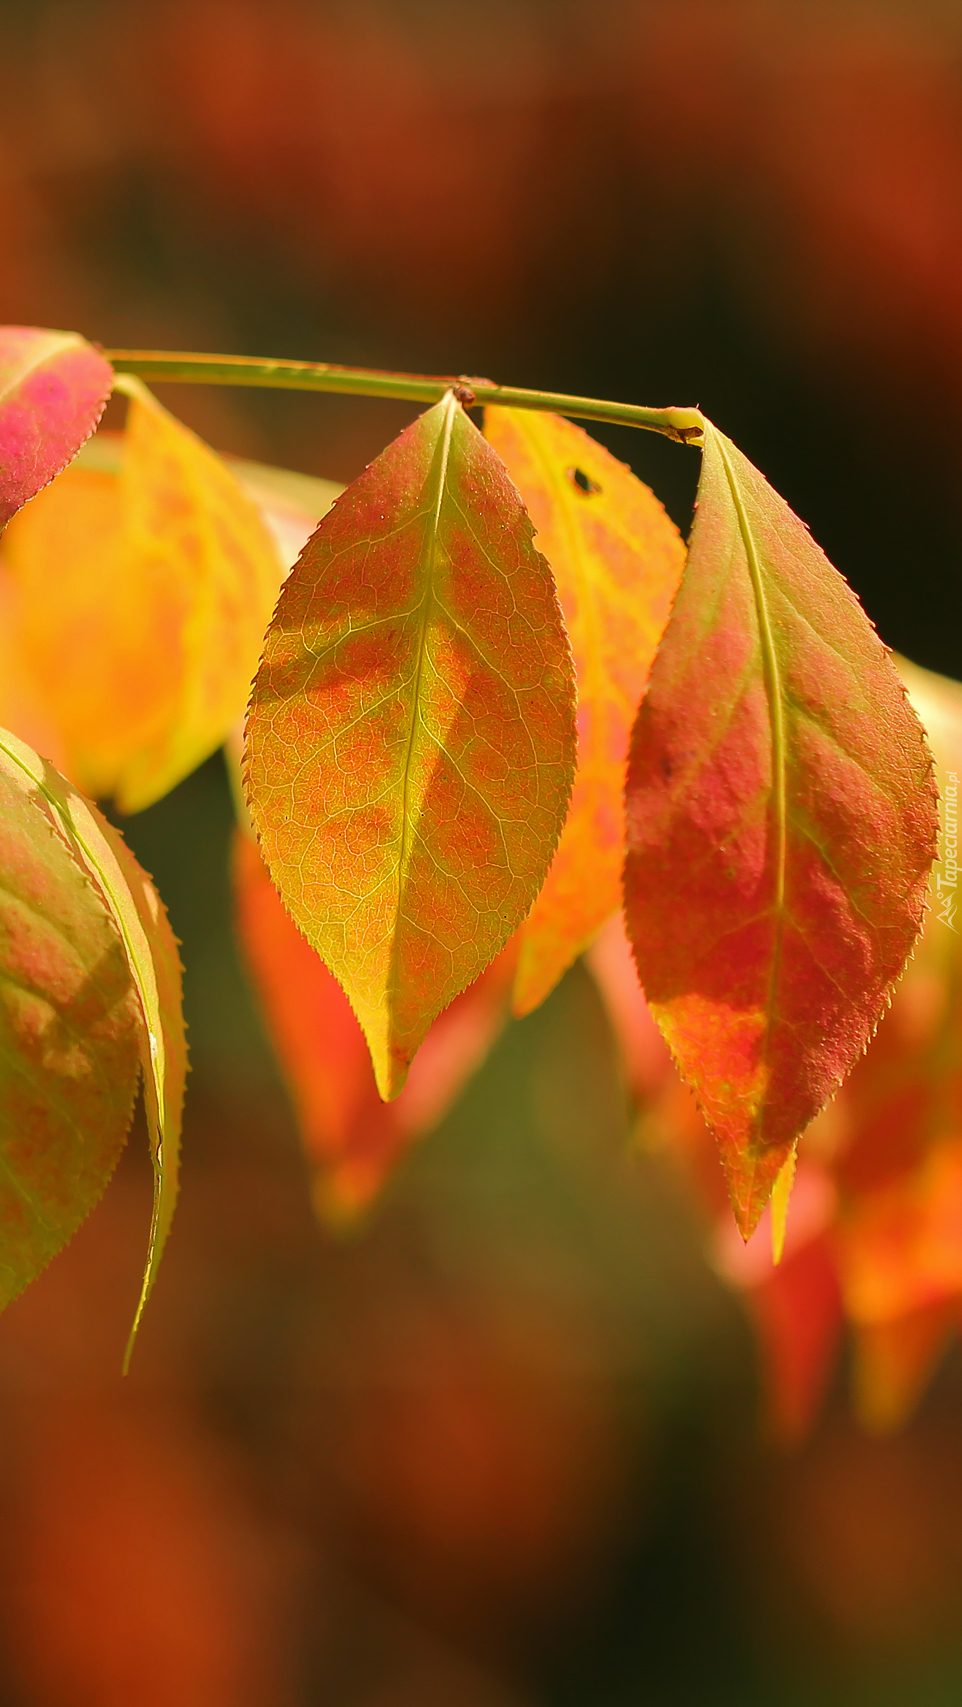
[(781, 826), (149, 949), (351, 1138), (53, 388), (644, 1054), (411, 732), (617, 559)]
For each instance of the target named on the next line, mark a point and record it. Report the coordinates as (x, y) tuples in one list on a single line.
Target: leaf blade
[(780, 794), (410, 737), (53, 390), (352, 1140), (69, 1033), (144, 578), (151, 954), (617, 560)]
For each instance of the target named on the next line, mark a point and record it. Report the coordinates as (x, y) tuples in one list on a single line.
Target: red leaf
[(352, 1138), (411, 738), (797, 1312), (53, 388), (781, 825)]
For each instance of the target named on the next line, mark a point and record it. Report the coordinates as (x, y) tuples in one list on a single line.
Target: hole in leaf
[(583, 481)]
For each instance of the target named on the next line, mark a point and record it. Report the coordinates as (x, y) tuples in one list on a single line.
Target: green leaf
[(69, 1038), (93, 859), (411, 732)]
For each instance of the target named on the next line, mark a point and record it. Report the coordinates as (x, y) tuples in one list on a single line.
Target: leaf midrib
[(440, 461), (773, 690)]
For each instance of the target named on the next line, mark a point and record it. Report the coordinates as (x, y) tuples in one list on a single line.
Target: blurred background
[(503, 1447)]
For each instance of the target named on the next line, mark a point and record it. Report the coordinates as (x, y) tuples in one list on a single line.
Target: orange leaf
[(781, 826), (617, 560), (142, 596), (893, 1363), (900, 1247), (22, 707), (900, 1167), (410, 739), (352, 1138)]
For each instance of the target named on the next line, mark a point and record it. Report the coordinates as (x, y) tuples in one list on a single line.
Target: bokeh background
[(502, 1448)]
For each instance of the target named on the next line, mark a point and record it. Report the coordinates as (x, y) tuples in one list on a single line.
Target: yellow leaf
[(781, 1193), (140, 602), (617, 560)]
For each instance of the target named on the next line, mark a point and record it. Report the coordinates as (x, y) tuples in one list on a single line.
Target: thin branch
[(173, 366)]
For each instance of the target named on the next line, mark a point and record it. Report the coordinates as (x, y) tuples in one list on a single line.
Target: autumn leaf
[(53, 388), (781, 826), (89, 987), (291, 505), (351, 1138), (797, 1315), (795, 1305), (22, 706), (893, 1362), (142, 594), (70, 1023), (899, 1162), (617, 560), (410, 738), (645, 1059), (900, 1244)]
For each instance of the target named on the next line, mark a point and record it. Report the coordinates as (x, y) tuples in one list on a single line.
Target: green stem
[(684, 425)]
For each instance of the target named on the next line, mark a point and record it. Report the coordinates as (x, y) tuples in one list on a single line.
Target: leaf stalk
[(685, 426)]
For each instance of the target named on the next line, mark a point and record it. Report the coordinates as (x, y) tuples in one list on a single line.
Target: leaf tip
[(530, 986), (781, 1193), (391, 1068), (751, 1179)]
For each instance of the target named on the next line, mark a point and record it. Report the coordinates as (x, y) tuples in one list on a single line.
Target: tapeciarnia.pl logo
[(947, 880)]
